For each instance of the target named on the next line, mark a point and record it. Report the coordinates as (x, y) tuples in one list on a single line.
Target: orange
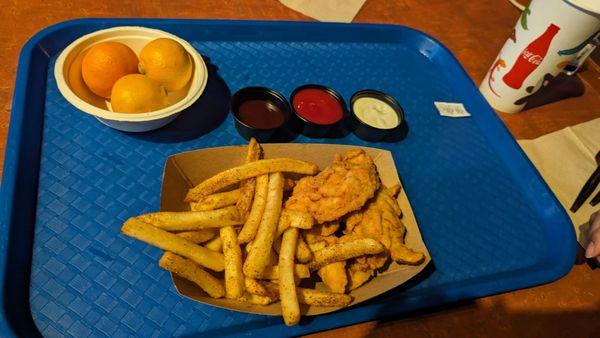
[(79, 87), (105, 63), (137, 93), (166, 61)]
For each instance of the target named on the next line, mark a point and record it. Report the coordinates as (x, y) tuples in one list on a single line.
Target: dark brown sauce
[(261, 114)]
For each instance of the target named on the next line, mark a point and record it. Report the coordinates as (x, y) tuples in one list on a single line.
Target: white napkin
[(565, 159), (326, 10)]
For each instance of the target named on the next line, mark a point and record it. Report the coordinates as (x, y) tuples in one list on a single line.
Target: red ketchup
[(317, 106)]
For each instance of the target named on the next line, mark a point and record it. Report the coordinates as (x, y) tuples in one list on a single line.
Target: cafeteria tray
[(488, 219)]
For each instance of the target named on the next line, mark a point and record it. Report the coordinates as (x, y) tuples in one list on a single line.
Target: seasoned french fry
[(316, 246), (258, 258), (199, 236), (322, 298), (259, 202), (253, 169), (303, 252), (234, 277), (215, 244), (192, 220), (253, 152), (247, 247), (272, 272), (256, 288), (170, 242), (282, 225), (189, 270), (216, 201), (316, 297), (244, 202), (287, 288), (297, 219), (247, 186), (257, 299), (272, 257), (343, 251)]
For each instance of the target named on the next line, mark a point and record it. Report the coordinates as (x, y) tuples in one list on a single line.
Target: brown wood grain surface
[(474, 31)]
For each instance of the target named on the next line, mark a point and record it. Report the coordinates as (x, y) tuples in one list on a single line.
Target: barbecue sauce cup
[(259, 112)]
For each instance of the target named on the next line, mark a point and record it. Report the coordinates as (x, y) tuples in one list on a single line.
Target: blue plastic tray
[(489, 221)]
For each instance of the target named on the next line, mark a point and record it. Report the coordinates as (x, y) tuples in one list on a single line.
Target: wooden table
[(474, 31)]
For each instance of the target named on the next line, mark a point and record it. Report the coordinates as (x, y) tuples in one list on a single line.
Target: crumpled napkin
[(326, 10), (565, 159)]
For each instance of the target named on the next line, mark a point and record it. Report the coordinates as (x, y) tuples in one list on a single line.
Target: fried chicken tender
[(358, 274), (325, 229), (380, 220), (334, 276), (343, 187)]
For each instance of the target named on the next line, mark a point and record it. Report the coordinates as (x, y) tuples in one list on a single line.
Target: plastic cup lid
[(591, 6)]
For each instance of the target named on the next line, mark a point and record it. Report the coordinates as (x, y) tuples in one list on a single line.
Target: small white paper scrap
[(449, 109)]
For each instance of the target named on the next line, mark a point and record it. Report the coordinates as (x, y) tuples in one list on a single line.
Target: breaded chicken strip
[(343, 187)]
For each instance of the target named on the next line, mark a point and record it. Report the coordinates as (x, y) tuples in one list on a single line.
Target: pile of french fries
[(242, 244)]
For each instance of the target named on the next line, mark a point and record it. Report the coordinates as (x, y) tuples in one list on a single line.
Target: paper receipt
[(449, 109)]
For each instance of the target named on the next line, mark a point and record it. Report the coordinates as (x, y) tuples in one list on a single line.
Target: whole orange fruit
[(79, 87), (104, 64), (166, 61), (137, 93)]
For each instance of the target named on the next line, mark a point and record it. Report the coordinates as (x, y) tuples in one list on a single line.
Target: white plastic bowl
[(136, 38)]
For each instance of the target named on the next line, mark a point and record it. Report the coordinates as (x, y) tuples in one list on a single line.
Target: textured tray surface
[(88, 279)]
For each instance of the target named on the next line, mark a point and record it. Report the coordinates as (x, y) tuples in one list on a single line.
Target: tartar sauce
[(375, 112)]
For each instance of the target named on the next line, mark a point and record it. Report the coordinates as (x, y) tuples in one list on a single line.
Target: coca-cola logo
[(535, 59)]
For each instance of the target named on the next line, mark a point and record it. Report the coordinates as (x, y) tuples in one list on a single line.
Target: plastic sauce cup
[(369, 121), (259, 112), (317, 109)]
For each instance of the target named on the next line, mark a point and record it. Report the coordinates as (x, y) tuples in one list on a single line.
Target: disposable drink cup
[(546, 37)]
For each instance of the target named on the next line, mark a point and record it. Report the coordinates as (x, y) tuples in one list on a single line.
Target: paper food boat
[(185, 170)]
